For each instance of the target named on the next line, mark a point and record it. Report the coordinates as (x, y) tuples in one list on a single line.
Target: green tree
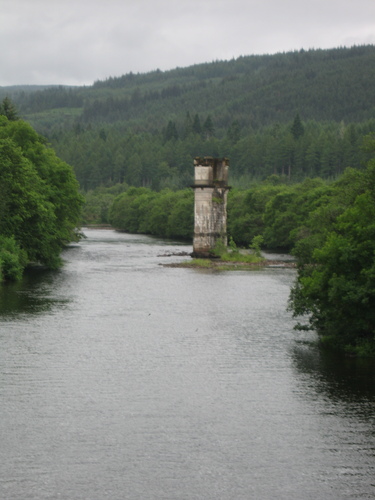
[(297, 128), (39, 200), (134, 170), (208, 128), (130, 210), (181, 218), (12, 259), (171, 133), (188, 126), (234, 132), (335, 286), (8, 109), (197, 127)]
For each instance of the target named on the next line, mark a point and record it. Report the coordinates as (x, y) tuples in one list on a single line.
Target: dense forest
[(144, 129)]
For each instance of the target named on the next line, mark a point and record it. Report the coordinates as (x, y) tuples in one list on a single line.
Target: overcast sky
[(76, 42)]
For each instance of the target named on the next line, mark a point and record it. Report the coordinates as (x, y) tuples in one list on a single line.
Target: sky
[(77, 42)]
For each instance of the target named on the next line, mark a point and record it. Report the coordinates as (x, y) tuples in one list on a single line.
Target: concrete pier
[(210, 204)]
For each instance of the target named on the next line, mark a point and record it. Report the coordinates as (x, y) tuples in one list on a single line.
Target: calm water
[(124, 379)]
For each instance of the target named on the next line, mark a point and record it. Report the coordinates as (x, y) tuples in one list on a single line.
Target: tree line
[(110, 155)]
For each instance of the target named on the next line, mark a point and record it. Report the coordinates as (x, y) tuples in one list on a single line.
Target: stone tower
[(210, 204)]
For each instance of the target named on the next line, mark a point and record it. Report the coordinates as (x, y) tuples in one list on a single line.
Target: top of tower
[(210, 161), (211, 172)]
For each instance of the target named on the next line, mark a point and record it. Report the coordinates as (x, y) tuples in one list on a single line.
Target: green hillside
[(143, 129)]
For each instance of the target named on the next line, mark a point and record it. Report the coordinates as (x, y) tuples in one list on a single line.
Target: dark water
[(124, 379)]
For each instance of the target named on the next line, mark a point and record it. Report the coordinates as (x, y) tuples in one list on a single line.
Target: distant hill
[(335, 84), (16, 89), (144, 129)]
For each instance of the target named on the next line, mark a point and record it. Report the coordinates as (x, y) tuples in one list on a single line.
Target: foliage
[(157, 160), (168, 214), (248, 258), (256, 245), (8, 109), (98, 203), (12, 259), (39, 200), (297, 128), (335, 287), (287, 212), (245, 212), (233, 253)]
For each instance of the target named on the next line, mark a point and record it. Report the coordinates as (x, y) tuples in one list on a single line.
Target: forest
[(299, 130), (144, 129)]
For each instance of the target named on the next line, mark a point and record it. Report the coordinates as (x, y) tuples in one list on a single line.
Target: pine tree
[(8, 109), (297, 128), (208, 128), (197, 128)]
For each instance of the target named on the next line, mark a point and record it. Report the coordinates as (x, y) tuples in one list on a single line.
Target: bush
[(12, 259)]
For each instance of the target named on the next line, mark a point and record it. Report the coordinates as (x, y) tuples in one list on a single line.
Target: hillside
[(219, 103), (332, 84)]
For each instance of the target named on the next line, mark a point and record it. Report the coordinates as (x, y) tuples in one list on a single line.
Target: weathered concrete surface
[(210, 205)]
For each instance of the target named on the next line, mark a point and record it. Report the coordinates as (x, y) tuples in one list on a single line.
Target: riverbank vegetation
[(40, 202), (335, 287)]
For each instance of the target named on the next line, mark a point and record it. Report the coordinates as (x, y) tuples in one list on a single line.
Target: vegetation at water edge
[(40, 204)]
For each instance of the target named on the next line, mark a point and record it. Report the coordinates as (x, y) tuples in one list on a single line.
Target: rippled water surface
[(124, 379)]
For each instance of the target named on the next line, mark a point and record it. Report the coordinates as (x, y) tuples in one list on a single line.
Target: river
[(125, 379)]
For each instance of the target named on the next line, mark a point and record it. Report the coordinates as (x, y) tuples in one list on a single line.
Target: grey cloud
[(76, 42)]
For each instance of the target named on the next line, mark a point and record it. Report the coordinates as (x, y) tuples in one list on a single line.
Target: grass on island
[(231, 258)]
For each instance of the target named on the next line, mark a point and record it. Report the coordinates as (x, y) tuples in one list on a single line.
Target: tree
[(171, 132), (181, 218), (26, 214), (188, 126), (39, 200), (12, 259), (134, 170), (208, 128), (130, 210), (234, 132), (335, 286), (297, 128), (197, 128), (8, 109)]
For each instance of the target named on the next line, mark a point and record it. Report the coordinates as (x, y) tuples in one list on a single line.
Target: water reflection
[(340, 378), (31, 296)]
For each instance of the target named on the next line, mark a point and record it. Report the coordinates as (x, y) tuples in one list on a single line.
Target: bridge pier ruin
[(210, 205)]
